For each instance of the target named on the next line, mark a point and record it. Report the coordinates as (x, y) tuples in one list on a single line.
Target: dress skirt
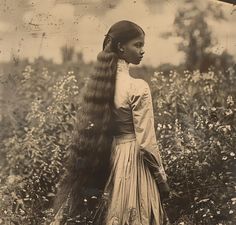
[(131, 195), (131, 192)]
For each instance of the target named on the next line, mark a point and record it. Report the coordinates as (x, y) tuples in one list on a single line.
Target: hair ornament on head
[(107, 43)]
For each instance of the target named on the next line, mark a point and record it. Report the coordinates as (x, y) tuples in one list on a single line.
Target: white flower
[(228, 127), (229, 112), (210, 126), (204, 200), (224, 157), (233, 199), (174, 157), (230, 100)]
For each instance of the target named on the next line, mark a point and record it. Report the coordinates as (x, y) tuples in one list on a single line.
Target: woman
[(115, 137)]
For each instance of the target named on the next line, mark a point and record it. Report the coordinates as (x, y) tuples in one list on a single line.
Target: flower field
[(195, 127)]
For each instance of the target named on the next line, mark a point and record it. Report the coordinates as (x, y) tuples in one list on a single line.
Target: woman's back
[(131, 195), (126, 87)]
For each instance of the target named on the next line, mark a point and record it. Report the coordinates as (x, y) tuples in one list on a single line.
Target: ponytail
[(88, 159)]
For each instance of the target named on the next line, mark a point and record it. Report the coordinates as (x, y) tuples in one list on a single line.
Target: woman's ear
[(120, 47)]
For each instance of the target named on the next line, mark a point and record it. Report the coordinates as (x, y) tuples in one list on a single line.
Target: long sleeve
[(143, 119)]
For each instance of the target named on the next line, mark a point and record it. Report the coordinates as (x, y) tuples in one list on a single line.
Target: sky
[(32, 28)]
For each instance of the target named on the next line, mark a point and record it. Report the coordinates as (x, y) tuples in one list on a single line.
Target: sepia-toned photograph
[(117, 112)]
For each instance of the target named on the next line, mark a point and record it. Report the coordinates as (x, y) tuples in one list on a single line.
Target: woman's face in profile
[(132, 51)]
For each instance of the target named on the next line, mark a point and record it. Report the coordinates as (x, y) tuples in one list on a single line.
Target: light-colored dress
[(131, 193)]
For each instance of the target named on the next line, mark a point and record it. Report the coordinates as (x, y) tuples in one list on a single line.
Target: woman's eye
[(138, 45)]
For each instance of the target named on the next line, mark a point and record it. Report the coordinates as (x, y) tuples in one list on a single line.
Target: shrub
[(195, 116), (35, 155), (195, 127)]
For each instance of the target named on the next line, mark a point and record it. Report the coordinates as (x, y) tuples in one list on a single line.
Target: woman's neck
[(122, 65)]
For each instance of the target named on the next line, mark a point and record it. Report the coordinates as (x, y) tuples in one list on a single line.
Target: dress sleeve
[(143, 119)]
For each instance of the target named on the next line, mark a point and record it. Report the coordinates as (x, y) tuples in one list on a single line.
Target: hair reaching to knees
[(87, 163)]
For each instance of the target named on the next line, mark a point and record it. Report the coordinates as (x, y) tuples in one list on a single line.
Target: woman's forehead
[(139, 38)]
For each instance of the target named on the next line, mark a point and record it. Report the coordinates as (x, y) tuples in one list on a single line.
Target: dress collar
[(122, 66)]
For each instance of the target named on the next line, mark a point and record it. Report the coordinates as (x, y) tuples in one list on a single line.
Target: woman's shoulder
[(138, 86), (139, 89)]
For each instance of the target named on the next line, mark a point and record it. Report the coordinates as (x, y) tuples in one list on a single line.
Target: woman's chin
[(137, 62)]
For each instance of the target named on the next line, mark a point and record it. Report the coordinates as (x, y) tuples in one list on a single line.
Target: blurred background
[(30, 29), (47, 52)]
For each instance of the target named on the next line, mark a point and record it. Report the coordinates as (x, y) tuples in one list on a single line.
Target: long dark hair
[(87, 163)]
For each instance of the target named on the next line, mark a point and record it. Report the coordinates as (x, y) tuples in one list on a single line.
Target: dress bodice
[(133, 110), (122, 114), (127, 91)]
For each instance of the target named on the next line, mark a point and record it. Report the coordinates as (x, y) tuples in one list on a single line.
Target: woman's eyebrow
[(139, 42)]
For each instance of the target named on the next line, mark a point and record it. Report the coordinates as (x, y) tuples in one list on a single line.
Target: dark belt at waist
[(123, 138)]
